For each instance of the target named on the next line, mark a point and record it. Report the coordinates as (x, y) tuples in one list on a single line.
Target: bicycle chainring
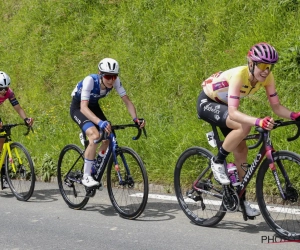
[(291, 194), (231, 200)]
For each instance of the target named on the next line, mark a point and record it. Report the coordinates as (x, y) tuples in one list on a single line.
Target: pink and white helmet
[(263, 53)]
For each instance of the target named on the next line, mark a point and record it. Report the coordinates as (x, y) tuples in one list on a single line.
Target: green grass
[(165, 48)]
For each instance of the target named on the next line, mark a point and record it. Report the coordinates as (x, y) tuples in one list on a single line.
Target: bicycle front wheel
[(281, 214), (19, 172), (201, 208), (129, 190), (69, 176)]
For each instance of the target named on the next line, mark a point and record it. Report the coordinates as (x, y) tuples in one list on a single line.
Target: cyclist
[(7, 93), (87, 113), (218, 104)]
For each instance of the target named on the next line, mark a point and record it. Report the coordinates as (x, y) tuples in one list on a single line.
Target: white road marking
[(275, 209)]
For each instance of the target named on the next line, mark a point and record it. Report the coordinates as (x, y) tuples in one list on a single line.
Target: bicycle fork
[(128, 178), (10, 158), (290, 193)]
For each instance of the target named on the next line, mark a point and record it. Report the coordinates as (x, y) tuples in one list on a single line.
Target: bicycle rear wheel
[(69, 176), (192, 164), (21, 177), (282, 215), (129, 196)]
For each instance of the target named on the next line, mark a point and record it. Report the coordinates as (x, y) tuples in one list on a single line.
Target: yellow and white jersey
[(217, 85)]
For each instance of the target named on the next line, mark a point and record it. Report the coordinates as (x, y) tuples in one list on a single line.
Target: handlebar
[(277, 124), (104, 136), (117, 127), (7, 128)]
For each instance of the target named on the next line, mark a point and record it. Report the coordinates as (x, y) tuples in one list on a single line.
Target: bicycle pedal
[(90, 192), (251, 217)]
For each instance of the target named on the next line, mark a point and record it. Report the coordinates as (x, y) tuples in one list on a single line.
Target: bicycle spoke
[(69, 175), (130, 194), (202, 208), (282, 214), (20, 172)]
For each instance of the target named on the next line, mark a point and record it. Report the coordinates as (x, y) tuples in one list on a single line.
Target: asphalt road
[(46, 222)]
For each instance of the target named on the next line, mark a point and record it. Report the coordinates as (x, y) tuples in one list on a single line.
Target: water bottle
[(233, 174), (81, 138), (98, 162)]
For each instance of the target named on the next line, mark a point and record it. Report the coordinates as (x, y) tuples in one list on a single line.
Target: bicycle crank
[(231, 199), (291, 194)]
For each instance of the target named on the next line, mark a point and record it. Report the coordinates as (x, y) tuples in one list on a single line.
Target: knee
[(244, 130), (93, 134)]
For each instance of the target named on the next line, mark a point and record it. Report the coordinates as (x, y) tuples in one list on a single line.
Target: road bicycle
[(127, 181), (17, 169), (205, 202)]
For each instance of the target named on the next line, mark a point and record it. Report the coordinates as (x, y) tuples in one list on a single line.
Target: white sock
[(87, 167)]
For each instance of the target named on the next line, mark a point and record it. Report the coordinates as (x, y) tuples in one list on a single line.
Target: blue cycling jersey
[(89, 89)]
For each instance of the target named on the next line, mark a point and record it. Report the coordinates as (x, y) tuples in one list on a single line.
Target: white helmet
[(4, 80), (109, 66)]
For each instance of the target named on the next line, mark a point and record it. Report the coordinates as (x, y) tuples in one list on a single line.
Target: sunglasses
[(1, 89), (110, 77), (264, 66)]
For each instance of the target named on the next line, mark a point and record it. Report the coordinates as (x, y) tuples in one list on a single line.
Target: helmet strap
[(102, 83), (251, 70)]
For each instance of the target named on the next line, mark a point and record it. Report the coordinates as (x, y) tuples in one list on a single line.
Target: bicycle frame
[(6, 148), (112, 149), (265, 151)]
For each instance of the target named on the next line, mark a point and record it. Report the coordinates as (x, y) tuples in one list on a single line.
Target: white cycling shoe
[(219, 173), (251, 211), (89, 181)]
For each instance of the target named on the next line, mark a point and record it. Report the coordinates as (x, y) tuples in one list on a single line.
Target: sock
[(221, 156), (87, 167)]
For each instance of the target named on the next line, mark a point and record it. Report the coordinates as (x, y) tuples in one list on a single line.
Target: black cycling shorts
[(213, 112), (80, 118)]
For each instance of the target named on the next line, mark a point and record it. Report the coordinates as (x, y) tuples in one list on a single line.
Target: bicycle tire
[(190, 164), (69, 176), (130, 197), (282, 216), (21, 181)]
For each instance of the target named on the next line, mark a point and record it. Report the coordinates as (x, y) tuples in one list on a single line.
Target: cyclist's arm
[(132, 111), (87, 87), (130, 107), (234, 102), (20, 111), (277, 108), (84, 109)]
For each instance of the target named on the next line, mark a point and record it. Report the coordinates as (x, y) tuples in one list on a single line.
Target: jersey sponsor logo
[(96, 95), (220, 85), (215, 110), (77, 120), (217, 117)]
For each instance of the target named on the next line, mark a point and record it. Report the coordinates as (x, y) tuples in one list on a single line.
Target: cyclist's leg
[(4, 181), (216, 114), (240, 157), (92, 132), (2, 140)]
